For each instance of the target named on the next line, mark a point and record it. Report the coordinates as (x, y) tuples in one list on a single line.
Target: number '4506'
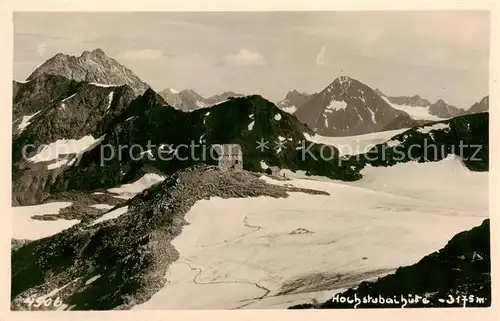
[(41, 301)]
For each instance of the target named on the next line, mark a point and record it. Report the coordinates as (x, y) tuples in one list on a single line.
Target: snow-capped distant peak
[(344, 81), (173, 91)]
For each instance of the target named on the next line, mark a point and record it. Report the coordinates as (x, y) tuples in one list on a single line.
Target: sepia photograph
[(270, 160)]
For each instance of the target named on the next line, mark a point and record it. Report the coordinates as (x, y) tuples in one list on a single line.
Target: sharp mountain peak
[(91, 66)]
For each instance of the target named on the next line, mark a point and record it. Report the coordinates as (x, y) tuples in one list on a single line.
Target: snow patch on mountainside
[(67, 98), (57, 164), (24, 227), (415, 112), (92, 279), (373, 116), (336, 105), (352, 145), (447, 183), (102, 206), (428, 129), (103, 85), (64, 147), (110, 99), (127, 191), (25, 121), (200, 104), (393, 143), (111, 215), (42, 298)]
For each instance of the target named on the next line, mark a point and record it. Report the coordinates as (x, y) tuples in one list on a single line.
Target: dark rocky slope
[(72, 110), (465, 136), (34, 95), (405, 121), (457, 275), (131, 253), (244, 121)]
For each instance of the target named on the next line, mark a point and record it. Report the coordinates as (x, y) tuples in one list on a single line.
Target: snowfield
[(447, 183), (24, 227), (416, 112), (238, 253), (25, 121), (353, 145), (111, 215), (336, 105), (60, 147), (438, 126), (128, 191)]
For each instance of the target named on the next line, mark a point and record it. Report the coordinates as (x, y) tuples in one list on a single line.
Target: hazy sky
[(436, 54)]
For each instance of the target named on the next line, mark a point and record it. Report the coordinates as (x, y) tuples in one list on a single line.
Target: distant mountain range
[(84, 116), (293, 99), (189, 100), (349, 107), (420, 108), (55, 104)]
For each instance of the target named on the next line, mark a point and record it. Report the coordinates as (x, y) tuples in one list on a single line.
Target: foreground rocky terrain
[(121, 262)]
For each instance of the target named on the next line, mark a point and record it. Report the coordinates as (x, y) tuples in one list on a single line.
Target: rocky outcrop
[(82, 117)]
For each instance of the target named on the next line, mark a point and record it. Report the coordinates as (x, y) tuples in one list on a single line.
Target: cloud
[(320, 58), (245, 58), (143, 54), (41, 49)]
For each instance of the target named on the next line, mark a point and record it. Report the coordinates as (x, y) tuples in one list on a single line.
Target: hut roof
[(228, 149)]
